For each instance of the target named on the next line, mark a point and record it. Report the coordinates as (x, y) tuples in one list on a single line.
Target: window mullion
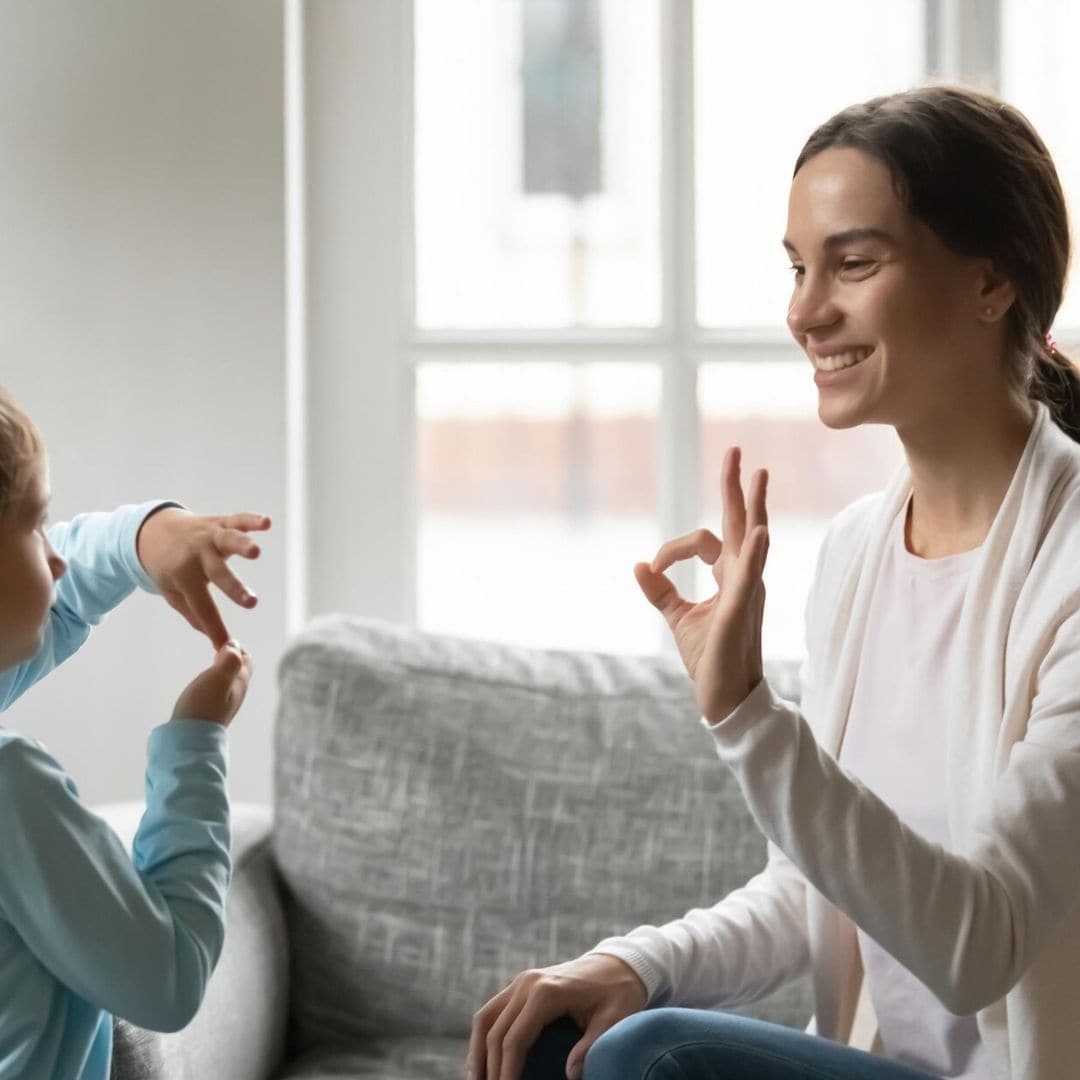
[(679, 455), (963, 42)]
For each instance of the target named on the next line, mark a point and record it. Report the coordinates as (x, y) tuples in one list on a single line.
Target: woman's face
[(876, 286)]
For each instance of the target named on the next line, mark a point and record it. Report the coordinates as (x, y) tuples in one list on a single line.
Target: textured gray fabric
[(450, 812), (404, 1058), (239, 1031)]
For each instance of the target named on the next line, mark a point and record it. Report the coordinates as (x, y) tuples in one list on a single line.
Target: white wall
[(358, 141), (142, 325)]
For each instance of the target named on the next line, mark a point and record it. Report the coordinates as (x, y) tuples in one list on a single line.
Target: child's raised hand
[(184, 552), (217, 694)]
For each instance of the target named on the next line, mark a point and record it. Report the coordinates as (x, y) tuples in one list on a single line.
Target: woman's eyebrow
[(850, 236)]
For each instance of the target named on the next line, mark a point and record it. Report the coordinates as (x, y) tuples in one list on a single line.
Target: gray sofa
[(446, 814)]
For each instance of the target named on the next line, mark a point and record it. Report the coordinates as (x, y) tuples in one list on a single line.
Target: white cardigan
[(992, 928)]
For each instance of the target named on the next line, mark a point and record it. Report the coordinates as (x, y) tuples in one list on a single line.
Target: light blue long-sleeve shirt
[(85, 930)]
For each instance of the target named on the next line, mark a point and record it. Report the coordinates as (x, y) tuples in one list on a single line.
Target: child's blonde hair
[(20, 447)]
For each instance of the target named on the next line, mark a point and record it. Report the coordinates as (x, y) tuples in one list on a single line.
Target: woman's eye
[(855, 264), (798, 269)]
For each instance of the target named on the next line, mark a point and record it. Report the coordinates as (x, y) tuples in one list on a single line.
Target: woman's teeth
[(841, 360)]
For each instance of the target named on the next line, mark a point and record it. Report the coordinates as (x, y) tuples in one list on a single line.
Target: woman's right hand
[(596, 991), (217, 694)]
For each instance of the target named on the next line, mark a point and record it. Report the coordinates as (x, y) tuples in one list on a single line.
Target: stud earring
[(988, 312)]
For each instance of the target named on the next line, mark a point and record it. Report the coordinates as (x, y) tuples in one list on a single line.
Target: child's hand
[(217, 694), (183, 552)]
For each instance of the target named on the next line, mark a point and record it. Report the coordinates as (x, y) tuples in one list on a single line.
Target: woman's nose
[(811, 308)]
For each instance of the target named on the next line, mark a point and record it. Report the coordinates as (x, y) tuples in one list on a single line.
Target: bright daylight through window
[(558, 286)]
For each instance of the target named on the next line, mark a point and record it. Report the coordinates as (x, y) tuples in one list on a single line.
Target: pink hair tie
[(1051, 344)]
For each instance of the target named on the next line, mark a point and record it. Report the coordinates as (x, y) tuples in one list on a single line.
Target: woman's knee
[(627, 1050)]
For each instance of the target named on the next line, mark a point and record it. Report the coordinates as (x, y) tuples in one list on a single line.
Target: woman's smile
[(834, 367)]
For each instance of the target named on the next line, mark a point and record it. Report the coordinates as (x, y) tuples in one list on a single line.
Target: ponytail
[(1055, 381)]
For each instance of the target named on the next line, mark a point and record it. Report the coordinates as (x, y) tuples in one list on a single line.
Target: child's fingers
[(205, 610), (247, 669), (176, 601), (246, 522), (219, 573), (229, 658), (234, 542)]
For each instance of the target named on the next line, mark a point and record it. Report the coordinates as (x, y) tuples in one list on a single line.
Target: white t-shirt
[(894, 743)]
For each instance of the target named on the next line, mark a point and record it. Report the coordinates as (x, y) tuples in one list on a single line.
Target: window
[(1040, 77), (539, 484), (537, 164), (600, 193)]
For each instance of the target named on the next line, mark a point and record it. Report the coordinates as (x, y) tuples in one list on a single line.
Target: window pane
[(765, 76), (537, 163), (538, 495), (1040, 77), (770, 410)]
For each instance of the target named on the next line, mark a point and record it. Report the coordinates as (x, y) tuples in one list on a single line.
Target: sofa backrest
[(451, 812)]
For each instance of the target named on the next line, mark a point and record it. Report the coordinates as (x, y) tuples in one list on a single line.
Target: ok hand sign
[(719, 639)]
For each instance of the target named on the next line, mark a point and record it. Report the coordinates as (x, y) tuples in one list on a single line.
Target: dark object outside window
[(562, 79)]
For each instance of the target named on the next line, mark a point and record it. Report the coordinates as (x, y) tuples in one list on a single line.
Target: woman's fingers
[(702, 543), (734, 520), (660, 591), (741, 517), (757, 513), (519, 1037), (476, 1058), (493, 1044), (748, 574), (598, 1024)]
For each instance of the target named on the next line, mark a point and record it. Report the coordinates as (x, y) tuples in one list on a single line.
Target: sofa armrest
[(239, 1030)]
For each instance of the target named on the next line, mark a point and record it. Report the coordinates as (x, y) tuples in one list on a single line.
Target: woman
[(922, 807)]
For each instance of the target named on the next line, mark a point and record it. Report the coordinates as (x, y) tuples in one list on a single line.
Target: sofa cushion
[(402, 1058), (451, 812)]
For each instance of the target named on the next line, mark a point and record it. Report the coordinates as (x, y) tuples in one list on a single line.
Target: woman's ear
[(995, 293)]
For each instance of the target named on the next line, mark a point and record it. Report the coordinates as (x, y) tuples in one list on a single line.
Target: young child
[(86, 931)]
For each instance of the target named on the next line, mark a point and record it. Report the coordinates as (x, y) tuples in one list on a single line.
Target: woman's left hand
[(719, 639), (184, 552)]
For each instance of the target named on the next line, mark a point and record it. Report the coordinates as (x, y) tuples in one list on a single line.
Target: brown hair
[(975, 171), (20, 446)]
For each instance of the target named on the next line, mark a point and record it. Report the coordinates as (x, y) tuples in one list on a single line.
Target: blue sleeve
[(103, 569), (137, 937)]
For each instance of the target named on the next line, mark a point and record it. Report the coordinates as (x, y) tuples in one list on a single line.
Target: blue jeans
[(696, 1044)]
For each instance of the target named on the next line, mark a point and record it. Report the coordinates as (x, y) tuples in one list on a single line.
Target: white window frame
[(353, 346)]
